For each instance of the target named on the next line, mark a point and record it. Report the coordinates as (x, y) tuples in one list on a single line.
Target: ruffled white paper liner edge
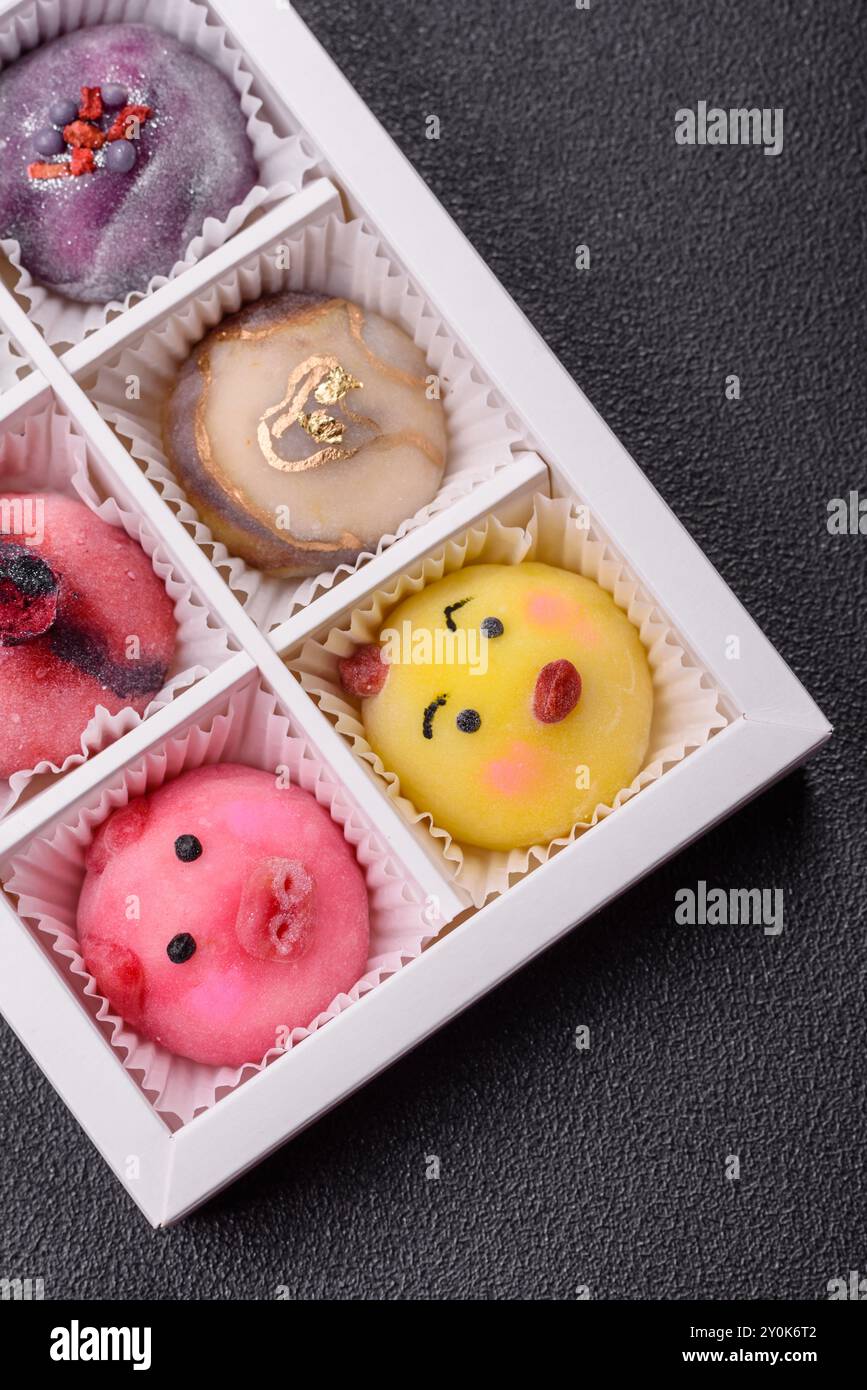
[(47, 881), (347, 260), (47, 456), (284, 162), (11, 362), (686, 704)]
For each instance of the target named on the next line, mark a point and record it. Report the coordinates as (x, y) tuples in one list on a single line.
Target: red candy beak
[(364, 673), (275, 918), (558, 690)]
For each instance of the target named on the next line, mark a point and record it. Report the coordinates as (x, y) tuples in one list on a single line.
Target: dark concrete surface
[(605, 1169)]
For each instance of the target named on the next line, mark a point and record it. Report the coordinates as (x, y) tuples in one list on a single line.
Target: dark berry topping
[(62, 112), (49, 141), (492, 627), (28, 594), (114, 95), (427, 721), (29, 573), (102, 117), (181, 947), (120, 157), (453, 608), (469, 721), (188, 848)]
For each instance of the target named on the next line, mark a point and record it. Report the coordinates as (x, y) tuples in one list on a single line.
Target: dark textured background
[(605, 1169)]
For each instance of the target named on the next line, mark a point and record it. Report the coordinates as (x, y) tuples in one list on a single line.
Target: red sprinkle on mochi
[(82, 162), (558, 690), (41, 170), (364, 673), (119, 129), (83, 136), (91, 107)]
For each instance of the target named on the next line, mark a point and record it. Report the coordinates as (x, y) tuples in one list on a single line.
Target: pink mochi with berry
[(84, 622), (221, 912)]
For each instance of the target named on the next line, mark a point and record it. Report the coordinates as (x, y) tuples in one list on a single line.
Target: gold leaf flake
[(321, 427), (335, 386)]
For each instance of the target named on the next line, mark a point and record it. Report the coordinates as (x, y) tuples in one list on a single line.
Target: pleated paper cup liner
[(47, 879), (348, 261), (47, 456), (686, 709), (11, 363), (285, 161)]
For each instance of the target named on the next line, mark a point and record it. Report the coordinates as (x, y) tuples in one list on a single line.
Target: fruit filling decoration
[(509, 700), (120, 143), (79, 131), (302, 430), (252, 914), (84, 622)]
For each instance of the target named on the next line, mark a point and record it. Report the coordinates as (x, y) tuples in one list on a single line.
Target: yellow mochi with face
[(517, 698)]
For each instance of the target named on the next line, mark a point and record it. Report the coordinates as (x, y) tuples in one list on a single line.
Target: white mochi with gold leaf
[(303, 429)]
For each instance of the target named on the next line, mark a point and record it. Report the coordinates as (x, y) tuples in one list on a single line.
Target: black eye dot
[(181, 947), (492, 627), (468, 721), (188, 848)]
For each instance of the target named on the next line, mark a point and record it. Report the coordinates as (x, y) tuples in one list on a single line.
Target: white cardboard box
[(773, 725)]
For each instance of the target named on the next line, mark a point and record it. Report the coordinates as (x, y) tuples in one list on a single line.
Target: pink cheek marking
[(246, 818), (221, 997), (549, 610), (516, 774)]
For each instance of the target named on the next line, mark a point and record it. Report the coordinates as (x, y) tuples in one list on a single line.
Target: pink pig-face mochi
[(222, 911)]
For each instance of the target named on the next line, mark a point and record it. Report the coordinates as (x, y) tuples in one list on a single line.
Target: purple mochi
[(102, 235)]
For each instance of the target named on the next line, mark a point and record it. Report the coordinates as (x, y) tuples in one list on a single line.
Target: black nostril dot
[(181, 947), (188, 848), (469, 721)]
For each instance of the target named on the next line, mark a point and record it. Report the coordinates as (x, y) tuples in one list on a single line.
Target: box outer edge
[(783, 724)]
